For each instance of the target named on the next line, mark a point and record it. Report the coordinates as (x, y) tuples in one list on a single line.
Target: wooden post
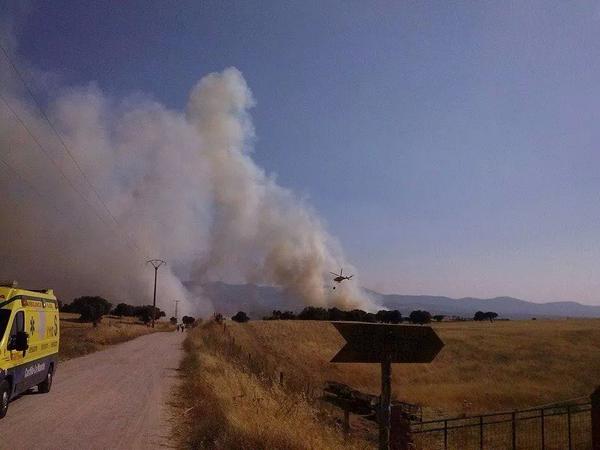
[(385, 404), (543, 429), (400, 433), (569, 427), (480, 432), (445, 435), (514, 431), (346, 422), (595, 399), (281, 378)]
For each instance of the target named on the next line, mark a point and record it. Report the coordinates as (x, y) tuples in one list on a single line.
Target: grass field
[(483, 366), (77, 338), (234, 373)]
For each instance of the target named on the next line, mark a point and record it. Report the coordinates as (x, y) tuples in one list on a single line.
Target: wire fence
[(560, 427)]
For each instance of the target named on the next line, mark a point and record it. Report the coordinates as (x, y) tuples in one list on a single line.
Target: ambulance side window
[(18, 324)]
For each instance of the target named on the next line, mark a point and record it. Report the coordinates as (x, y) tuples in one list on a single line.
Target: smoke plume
[(180, 186)]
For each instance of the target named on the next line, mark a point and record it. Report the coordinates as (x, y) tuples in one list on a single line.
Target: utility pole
[(156, 263), (176, 301)]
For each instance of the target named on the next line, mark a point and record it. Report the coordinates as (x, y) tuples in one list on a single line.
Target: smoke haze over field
[(179, 186)]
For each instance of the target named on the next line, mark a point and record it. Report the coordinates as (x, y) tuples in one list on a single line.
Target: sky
[(451, 147)]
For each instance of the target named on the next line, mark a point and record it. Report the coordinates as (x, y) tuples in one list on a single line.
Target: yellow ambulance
[(29, 339)]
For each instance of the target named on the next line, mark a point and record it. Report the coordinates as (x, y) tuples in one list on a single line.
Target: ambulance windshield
[(4, 316)]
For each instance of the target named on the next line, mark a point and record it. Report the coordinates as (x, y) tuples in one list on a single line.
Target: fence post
[(346, 422), (514, 430), (480, 432), (543, 431), (446, 435), (400, 438), (569, 426), (595, 399), (281, 378)]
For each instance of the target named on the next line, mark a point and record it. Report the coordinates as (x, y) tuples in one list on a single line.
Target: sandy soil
[(116, 398)]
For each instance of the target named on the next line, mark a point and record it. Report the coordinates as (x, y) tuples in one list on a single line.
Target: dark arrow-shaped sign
[(386, 344), (375, 343)]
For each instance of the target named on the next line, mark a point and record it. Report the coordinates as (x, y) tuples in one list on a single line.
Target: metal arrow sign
[(375, 343), (386, 344)]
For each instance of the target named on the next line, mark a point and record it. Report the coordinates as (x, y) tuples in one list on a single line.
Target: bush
[(173, 320), (240, 317)]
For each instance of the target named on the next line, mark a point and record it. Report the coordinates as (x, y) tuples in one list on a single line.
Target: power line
[(58, 135), (12, 170), (43, 149), (64, 145)]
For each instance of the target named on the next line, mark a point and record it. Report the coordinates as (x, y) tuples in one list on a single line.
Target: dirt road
[(116, 399)]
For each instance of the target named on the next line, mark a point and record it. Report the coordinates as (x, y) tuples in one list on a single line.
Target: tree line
[(354, 315), (418, 316), (92, 308)]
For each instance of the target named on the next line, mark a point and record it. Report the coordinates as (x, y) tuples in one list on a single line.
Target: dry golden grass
[(233, 399), (229, 404), (485, 366), (78, 339)]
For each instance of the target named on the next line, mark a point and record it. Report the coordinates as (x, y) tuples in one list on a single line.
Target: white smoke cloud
[(182, 187)]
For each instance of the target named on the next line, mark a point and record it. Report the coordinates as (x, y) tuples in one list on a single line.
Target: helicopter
[(339, 277)]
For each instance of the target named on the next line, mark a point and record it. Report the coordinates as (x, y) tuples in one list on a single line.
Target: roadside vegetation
[(80, 338), (230, 400), (89, 324)]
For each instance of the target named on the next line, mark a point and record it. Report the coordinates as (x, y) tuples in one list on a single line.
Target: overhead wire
[(58, 135), (130, 242)]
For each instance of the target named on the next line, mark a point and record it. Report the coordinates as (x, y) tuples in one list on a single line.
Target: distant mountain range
[(259, 301)]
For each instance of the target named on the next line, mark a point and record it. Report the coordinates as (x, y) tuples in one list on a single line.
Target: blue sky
[(452, 147)]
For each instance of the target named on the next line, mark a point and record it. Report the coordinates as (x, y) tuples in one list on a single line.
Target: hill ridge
[(260, 300)]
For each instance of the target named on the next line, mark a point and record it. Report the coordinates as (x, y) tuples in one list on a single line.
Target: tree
[(173, 320), (336, 314), (420, 317), (78, 304), (123, 309), (490, 315), (288, 315), (240, 317), (313, 313), (438, 317), (480, 315), (91, 309), (385, 316)]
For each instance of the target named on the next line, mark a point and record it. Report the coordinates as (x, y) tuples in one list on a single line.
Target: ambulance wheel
[(4, 397), (44, 386)]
